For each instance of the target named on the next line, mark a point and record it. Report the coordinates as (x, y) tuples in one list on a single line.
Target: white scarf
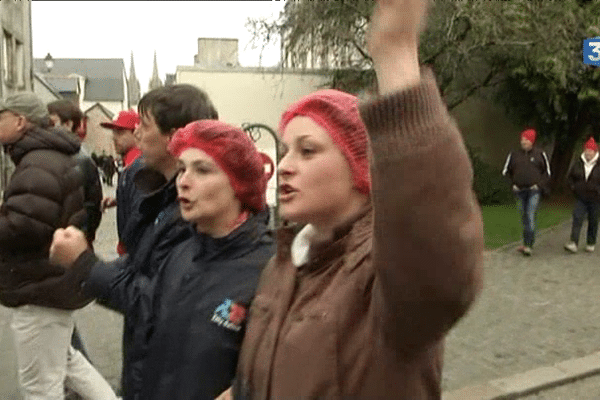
[(589, 165), (301, 245)]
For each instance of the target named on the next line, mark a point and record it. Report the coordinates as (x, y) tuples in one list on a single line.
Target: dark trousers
[(583, 208)]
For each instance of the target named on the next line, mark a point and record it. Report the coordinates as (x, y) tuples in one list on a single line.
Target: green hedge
[(489, 185)]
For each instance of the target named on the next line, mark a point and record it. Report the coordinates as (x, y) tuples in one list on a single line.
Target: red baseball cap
[(127, 119)]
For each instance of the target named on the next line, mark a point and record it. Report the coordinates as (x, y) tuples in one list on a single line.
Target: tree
[(465, 41), (529, 52), (550, 87)]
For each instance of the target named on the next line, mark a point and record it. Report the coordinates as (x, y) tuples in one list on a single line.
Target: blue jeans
[(528, 201), (579, 212)]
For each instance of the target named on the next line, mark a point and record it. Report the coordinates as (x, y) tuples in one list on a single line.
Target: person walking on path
[(528, 170), (123, 128), (109, 167), (45, 192), (356, 304), (66, 114), (584, 180)]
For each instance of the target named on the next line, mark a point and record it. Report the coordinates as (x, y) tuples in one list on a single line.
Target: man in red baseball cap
[(123, 128), (123, 138), (529, 172)]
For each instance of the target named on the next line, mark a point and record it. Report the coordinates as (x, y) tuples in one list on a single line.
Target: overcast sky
[(113, 29)]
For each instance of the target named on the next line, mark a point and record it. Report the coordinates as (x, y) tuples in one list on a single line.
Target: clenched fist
[(67, 245)]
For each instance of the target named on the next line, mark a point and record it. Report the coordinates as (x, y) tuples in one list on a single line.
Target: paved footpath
[(533, 313), (535, 325)]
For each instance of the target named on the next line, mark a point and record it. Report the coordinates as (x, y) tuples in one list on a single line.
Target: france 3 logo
[(591, 51)]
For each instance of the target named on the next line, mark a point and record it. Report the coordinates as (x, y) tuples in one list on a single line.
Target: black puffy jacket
[(45, 192)]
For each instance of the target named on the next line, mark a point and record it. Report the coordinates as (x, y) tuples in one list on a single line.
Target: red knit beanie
[(337, 113), (590, 145), (234, 152), (529, 134)]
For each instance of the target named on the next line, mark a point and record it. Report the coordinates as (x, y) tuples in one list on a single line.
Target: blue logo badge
[(591, 51), (229, 315)]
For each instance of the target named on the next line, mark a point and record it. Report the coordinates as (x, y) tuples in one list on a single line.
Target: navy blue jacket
[(128, 198), (201, 301), (152, 231)]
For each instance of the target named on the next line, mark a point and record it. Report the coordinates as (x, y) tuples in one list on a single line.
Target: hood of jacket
[(37, 138)]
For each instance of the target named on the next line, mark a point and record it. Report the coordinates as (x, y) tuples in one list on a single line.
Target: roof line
[(105, 110), (47, 85)]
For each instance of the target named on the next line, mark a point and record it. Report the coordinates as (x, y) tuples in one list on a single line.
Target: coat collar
[(37, 138), (236, 243), (351, 242)]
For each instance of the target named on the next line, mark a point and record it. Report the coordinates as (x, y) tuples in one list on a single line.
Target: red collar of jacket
[(131, 155)]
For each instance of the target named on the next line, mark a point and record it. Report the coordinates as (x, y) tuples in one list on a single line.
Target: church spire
[(155, 81), (133, 85)]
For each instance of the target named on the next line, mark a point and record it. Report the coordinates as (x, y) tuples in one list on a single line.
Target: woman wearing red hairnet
[(207, 283), (389, 255), (200, 294)]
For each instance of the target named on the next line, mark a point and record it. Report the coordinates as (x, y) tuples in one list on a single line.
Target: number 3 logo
[(595, 49)]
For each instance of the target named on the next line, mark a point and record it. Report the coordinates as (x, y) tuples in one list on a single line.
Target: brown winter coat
[(366, 317), (44, 193)]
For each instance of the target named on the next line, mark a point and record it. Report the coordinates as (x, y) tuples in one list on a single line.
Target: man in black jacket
[(45, 192), (529, 172), (151, 232), (584, 180), (65, 114)]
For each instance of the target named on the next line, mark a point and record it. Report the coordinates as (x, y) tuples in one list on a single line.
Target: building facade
[(16, 59), (248, 95)]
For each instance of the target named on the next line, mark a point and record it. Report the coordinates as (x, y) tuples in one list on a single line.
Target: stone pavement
[(532, 327), (535, 325)]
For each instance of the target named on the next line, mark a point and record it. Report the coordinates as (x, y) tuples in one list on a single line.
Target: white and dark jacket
[(528, 168), (584, 179)]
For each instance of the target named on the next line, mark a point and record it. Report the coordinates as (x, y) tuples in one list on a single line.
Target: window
[(13, 61), (8, 55), (19, 77)]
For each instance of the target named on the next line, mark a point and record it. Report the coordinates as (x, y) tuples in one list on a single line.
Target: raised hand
[(393, 42)]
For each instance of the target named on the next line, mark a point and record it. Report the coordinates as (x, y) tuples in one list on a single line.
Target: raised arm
[(428, 236)]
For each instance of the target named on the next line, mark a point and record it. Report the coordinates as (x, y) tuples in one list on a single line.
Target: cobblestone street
[(532, 312)]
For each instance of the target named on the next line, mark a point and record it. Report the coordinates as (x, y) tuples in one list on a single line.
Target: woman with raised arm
[(356, 303)]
